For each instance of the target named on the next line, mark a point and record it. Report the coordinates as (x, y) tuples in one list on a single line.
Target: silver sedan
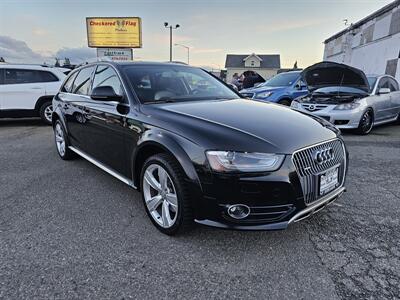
[(381, 105)]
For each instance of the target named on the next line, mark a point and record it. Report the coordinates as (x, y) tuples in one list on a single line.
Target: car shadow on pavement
[(21, 122)]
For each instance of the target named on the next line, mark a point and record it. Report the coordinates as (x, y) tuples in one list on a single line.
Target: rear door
[(105, 124), (21, 89)]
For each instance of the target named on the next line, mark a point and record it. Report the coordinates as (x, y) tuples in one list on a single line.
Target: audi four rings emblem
[(322, 156)]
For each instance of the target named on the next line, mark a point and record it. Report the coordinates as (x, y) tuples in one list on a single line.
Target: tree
[(2, 60), (295, 65), (57, 64)]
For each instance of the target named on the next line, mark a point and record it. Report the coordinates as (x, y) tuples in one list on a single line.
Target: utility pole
[(188, 51), (170, 37)]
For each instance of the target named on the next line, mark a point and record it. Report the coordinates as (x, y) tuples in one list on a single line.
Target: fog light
[(238, 211)]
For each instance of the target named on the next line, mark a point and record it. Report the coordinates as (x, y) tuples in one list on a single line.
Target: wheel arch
[(42, 100), (162, 142)]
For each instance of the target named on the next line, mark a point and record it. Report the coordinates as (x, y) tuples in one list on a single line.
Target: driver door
[(381, 102)]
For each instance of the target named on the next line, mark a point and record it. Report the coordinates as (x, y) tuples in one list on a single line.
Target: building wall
[(374, 47), (265, 73)]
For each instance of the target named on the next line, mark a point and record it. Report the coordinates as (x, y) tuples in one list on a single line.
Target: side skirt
[(103, 167), (385, 121)]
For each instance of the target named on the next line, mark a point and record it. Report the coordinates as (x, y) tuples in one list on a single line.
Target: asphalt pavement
[(68, 230)]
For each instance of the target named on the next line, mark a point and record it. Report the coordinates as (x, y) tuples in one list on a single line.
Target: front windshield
[(283, 79), (170, 83), (371, 82)]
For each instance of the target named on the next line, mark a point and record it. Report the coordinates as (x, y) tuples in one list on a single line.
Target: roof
[(368, 18), (271, 61), (26, 66)]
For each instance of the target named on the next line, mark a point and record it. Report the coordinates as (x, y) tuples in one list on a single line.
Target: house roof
[(368, 18), (271, 61)]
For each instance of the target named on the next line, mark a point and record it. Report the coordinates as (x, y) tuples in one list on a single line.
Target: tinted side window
[(82, 82), (1, 76), (106, 76), (67, 87), (20, 76), (393, 85), (46, 76)]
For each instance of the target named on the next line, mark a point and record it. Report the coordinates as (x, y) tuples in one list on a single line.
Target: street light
[(170, 37), (187, 48)]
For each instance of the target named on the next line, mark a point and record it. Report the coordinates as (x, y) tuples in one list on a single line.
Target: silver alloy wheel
[(160, 195), (48, 111), (60, 140)]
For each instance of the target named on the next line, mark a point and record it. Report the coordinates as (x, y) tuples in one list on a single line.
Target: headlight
[(230, 161), (294, 104), (347, 106), (263, 95)]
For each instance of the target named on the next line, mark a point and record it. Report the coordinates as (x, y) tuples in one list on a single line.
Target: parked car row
[(196, 149), (338, 93)]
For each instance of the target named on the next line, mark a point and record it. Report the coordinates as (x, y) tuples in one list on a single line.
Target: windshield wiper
[(162, 100)]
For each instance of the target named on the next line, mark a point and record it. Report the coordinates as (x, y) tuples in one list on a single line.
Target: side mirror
[(105, 93), (383, 91)]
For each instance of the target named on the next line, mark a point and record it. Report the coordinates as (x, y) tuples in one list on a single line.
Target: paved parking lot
[(69, 230)]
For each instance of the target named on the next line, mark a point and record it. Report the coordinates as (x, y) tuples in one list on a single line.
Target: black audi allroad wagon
[(195, 149)]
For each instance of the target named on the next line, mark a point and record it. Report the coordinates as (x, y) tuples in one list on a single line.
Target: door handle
[(36, 88)]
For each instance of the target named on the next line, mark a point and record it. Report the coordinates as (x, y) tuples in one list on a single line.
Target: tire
[(45, 112), (398, 119), (61, 141), (366, 122), (286, 102), (170, 214)]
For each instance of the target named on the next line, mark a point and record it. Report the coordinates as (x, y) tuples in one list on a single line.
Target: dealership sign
[(115, 54), (114, 32)]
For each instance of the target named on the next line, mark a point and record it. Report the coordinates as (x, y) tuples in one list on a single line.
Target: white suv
[(28, 90)]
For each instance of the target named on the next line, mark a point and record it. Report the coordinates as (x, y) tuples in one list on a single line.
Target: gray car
[(349, 99)]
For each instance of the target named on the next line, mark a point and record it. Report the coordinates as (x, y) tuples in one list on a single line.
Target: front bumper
[(276, 199), (301, 215), (342, 119)]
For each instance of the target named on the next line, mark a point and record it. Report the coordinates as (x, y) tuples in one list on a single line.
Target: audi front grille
[(309, 166)]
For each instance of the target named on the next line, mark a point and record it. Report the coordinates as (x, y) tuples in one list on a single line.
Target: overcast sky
[(33, 31)]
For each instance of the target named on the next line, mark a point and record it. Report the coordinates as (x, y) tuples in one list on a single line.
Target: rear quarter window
[(46, 76), (67, 87)]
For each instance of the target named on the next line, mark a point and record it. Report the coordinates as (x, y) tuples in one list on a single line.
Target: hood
[(244, 125), (326, 74)]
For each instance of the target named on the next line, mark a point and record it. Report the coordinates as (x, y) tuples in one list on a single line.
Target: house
[(267, 65), (371, 44)]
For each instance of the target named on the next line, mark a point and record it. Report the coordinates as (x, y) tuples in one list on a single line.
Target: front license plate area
[(328, 181)]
